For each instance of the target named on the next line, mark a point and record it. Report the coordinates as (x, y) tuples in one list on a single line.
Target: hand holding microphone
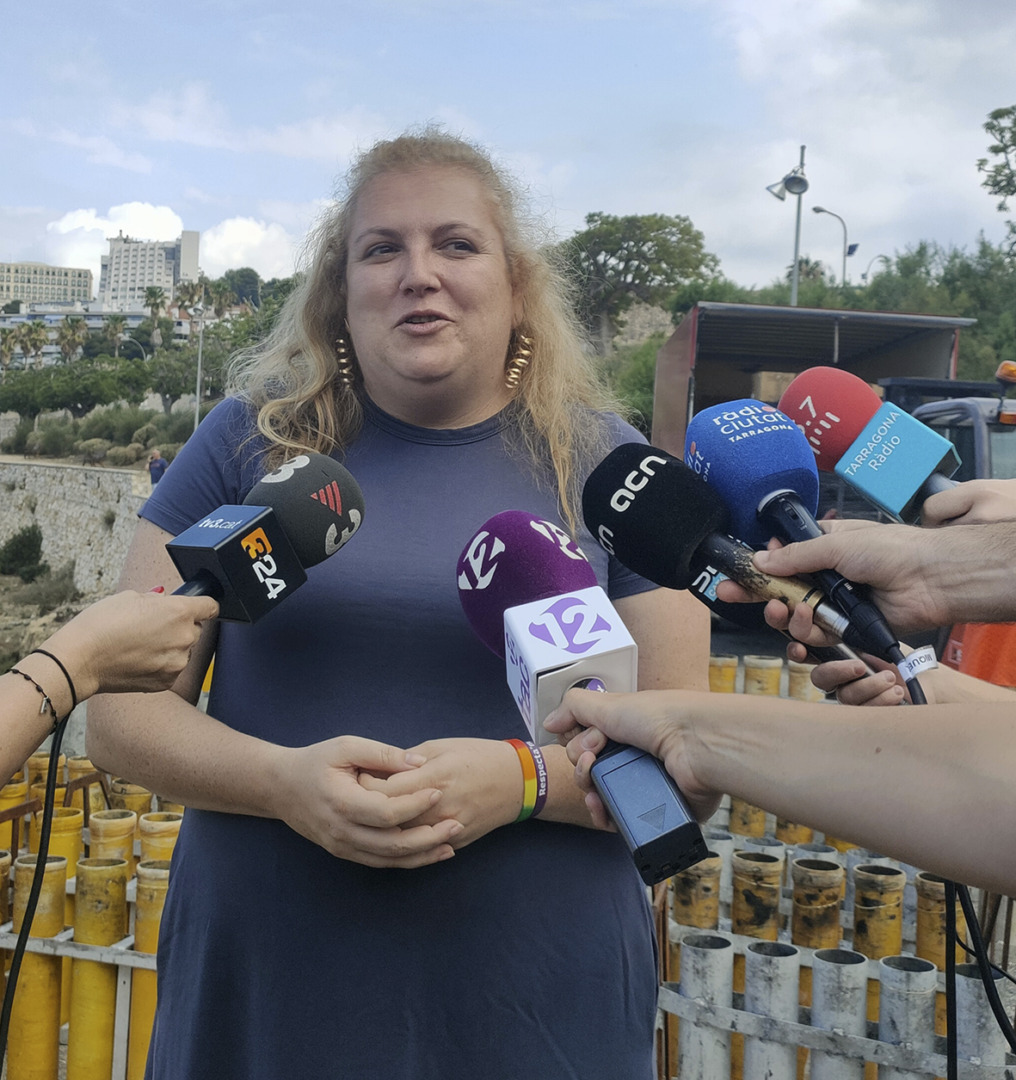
[(659, 518), (762, 467), (531, 595), (251, 557)]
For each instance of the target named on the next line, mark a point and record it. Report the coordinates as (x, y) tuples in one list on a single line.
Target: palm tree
[(71, 336), (7, 346), (221, 297), (155, 301), (31, 338), (189, 293), (114, 330)]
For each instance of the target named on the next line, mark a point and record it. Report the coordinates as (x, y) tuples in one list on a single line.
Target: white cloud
[(80, 237), (236, 242), (98, 149)]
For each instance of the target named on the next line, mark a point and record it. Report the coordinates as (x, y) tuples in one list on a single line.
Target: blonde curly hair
[(290, 377)]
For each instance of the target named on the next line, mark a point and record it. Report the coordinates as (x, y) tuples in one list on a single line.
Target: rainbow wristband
[(534, 778)]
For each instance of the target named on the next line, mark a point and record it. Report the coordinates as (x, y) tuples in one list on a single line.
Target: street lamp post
[(875, 259), (823, 210), (134, 341), (200, 312), (796, 183)]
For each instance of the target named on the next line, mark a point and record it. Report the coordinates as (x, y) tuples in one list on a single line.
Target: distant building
[(135, 265), (40, 282)]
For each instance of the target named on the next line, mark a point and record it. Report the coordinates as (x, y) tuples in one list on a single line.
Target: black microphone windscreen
[(651, 511), (317, 502)]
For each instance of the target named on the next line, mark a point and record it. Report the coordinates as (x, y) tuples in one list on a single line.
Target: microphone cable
[(36, 887), (917, 696)]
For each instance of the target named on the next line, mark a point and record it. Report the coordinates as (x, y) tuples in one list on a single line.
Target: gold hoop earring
[(517, 364), (345, 362)]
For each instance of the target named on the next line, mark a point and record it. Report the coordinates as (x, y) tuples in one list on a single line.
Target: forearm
[(23, 722), (971, 568), (931, 785), (174, 749)]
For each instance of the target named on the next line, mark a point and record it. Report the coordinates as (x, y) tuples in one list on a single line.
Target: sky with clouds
[(238, 119)]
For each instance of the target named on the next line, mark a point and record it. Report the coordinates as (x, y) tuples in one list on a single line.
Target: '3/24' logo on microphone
[(259, 548), (571, 625)]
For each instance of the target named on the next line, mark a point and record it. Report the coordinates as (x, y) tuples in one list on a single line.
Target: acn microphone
[(531, 596), (652, 512), (251, 557), (882, 451)]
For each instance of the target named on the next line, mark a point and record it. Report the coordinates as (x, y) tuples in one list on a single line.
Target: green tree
[(1000, 173), (79, 387), (27, 393), (172, 374), (244, 283), (618, 260)]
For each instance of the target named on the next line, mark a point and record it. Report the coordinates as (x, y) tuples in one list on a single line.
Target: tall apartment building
[(134, 265), (40, 282)]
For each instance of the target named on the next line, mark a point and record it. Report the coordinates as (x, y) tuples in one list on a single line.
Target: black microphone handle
[(203, 585), (936, 483), (867, 629)]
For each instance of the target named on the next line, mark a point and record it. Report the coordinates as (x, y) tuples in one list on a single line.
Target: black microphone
[(251, 557), (661, 520)]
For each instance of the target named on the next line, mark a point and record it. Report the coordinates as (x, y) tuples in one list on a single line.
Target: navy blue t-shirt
[(531, 953)]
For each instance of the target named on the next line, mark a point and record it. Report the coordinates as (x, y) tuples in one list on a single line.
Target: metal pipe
[(839, 993), (771, 971), (978, 1036), (906, 1013), (707, 976)]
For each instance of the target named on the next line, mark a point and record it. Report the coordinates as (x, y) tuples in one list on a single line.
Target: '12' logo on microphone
[(571, 625)]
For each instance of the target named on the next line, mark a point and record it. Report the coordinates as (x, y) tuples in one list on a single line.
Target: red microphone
[(895, 461), (831, 406)]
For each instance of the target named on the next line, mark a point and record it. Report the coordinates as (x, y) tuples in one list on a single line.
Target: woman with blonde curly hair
[(355, 892)]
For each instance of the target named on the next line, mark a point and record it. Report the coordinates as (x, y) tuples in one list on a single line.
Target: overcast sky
[(235, 119)]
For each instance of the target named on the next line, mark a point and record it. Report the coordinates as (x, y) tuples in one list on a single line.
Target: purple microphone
[(531, 596)]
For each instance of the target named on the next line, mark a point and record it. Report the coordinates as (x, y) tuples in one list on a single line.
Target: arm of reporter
[(931, 786), (163, 742), (124, 642)]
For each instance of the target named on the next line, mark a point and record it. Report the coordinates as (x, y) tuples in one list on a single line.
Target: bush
[(175, 428), (16, 443), (22, 554), (49, 591), (119, 456), (56, 438), (145, 435), (117, 424), (92, 451)]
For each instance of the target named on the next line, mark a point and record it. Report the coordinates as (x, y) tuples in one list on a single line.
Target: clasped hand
[(383, 806)]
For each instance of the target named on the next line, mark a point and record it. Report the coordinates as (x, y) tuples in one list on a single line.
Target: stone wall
[(87, 515)]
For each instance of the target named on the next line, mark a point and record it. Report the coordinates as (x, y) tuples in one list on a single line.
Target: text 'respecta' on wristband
[(534, 778)]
